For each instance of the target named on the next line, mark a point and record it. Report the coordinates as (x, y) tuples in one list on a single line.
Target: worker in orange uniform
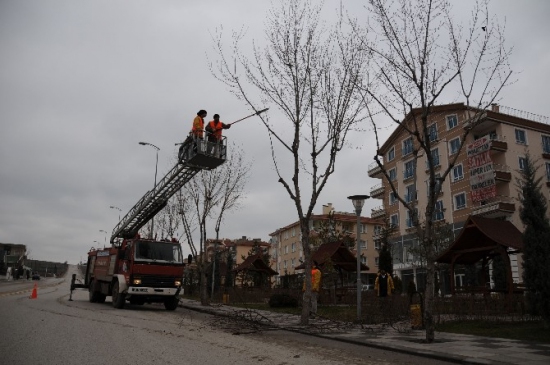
[(214, 132), (198, 124), (315, 286), (190, 143)]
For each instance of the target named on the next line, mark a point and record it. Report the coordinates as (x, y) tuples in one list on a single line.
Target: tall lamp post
[(155, 186), (119, 211), (104, 231), (358, 201)]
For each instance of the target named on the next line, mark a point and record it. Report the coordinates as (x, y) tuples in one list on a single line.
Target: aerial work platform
[(194, 156)]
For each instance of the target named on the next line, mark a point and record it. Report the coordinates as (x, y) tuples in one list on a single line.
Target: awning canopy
[(338, 255), (482, 237)]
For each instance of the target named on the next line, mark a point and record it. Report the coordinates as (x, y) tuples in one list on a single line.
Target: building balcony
[(502, 173), (377, 191), (498, 143), (374, 170), (378, 212), (499, 206)]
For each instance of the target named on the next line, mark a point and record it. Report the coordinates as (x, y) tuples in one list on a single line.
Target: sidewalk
[(464, 349)]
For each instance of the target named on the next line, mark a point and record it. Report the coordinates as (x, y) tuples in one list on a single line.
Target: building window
[(410, 193), (377, 261), (432, 132), (520, 136), (408, 169), (363, 244), (294, 247), (377, 230), (392, 199), (377, 244), (286, 249), (391, 154), (452, 121), (363, 228), (460, 201), (546, 144), (411, 217), (392, 174), (284, 264), (407, 146), (437, 184), (454, 145), (293, 232), (292, 263), (522, 163), (364, 260), (394, 220), (439, 216), (435, 158), (548, 171), (458, 173)]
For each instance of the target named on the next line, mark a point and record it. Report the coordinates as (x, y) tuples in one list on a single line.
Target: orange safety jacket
[(215, 129), (315, 280), (198, 125)]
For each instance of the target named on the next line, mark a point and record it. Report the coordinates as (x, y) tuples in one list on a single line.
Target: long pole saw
[(251, 115)]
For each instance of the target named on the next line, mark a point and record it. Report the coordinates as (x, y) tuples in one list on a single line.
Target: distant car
[(35, 276), (364, 287)]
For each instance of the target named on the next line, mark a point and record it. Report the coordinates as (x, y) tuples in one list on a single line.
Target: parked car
[(364, 287), (35, 276)]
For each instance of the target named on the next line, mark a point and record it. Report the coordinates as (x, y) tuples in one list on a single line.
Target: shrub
[(282, 300)]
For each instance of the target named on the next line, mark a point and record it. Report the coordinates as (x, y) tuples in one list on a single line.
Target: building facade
[(510, 135), (286, 242)]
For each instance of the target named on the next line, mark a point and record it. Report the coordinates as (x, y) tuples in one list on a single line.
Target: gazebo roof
[(255, 263), (338, 253), (479, 238)]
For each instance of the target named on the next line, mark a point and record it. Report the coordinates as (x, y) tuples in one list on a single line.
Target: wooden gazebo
[(255, 263), (336, 254), (481, 239)]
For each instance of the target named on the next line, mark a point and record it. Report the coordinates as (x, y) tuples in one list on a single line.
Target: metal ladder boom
[(153, 201)]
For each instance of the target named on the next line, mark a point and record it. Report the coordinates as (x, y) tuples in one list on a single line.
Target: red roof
[(480, 237), (336, 253)]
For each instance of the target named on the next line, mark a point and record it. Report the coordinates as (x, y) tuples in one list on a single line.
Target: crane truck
[(143, 270), (139, 270)]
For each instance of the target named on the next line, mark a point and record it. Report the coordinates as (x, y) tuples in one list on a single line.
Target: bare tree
[(421, 56), (208, 197), (311, 74)]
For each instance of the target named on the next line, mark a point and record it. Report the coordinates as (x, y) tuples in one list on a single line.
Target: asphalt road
[(53, 330)]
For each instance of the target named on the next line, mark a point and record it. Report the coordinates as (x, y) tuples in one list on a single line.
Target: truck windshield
[(158, 251)]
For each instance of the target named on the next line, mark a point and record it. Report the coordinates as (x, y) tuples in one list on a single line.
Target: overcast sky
[(82, 82)]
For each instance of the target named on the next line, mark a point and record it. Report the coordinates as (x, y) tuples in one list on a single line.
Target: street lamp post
[(119, 211), (155, 186), (358, 201), (105, 237)]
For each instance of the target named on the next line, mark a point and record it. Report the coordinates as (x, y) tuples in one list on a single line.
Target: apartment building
[(239, 247), (511, 133), (286, 243)]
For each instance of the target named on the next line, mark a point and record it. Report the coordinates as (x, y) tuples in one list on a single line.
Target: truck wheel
[(92, 295), (118, 297), (171, 303)]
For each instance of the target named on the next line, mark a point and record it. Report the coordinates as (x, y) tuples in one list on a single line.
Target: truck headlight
[(177, 283), (137, 281)]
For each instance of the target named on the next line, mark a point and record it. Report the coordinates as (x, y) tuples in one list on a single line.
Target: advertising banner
[(482, 176)]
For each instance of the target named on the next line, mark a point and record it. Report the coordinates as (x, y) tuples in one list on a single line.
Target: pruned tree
[(311, 74), (421, 56), (536, 238), (207, 197)]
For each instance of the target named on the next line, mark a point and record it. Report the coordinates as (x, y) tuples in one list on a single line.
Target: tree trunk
[(429, 300), (306, 303)]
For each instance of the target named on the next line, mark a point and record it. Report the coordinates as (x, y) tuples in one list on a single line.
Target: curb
[(393, 347)]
